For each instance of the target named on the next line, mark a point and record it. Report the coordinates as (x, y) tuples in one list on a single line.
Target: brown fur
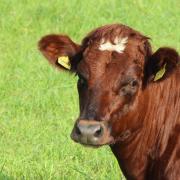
[(118, 88)]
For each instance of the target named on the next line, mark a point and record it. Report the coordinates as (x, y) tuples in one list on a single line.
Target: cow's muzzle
[(92, 133)]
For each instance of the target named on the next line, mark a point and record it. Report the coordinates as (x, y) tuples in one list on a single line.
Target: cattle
[(129, 97)]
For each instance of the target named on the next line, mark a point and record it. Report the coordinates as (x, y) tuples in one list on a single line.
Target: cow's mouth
[(91, 133), (90, 145)]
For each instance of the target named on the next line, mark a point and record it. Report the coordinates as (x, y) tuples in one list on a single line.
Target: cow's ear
[(60, 51), (161, 64)]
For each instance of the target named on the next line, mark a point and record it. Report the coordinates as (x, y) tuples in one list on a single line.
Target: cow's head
[(114, 64)]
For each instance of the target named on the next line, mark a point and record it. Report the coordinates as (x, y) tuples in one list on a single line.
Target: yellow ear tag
[(160, 73), (64, 61)]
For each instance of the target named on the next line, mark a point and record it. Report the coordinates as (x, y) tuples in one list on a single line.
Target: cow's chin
[(87, 145), (93, 146)]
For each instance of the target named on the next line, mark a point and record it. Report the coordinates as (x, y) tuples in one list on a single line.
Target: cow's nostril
[(98, 132), (77, 130)]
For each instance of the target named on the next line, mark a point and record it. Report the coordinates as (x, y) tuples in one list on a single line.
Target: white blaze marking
[(119, 45)]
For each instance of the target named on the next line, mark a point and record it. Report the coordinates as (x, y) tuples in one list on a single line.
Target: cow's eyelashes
[(131, 82)]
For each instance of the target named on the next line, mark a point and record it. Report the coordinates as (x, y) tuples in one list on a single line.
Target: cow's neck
[(130, 157), (137, 152)]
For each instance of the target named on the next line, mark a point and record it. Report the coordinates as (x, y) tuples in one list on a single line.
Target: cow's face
[(110, 66), (108, 84)]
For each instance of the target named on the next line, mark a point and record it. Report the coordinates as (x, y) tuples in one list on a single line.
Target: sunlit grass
[(39, 104)]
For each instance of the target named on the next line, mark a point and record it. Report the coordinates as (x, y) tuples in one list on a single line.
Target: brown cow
[(129, 98)]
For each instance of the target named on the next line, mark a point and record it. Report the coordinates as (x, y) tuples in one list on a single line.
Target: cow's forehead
[(115, 45), (112, 38)]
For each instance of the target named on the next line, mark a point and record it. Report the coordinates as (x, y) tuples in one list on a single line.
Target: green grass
[(38, 104)]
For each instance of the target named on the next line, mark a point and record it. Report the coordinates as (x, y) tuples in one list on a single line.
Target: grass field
[(38, 104)]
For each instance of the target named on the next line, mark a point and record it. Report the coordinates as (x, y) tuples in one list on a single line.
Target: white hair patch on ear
[(118, 46)]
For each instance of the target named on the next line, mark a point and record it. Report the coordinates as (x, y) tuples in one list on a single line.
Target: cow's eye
[(82, 82), (130, 82), (134, 83), (129, 87)]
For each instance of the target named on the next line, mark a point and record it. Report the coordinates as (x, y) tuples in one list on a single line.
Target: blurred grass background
[(38, 104)]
